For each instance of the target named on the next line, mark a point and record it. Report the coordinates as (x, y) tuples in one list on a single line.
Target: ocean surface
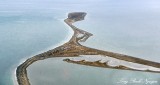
[(30, 27), (23, 36)]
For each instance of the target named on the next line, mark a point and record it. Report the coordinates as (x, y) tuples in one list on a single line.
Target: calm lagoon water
[(30, 27), (55, 71)]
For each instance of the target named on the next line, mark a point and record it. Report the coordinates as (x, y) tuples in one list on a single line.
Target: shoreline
[(67, 38), (73, 48), (109, 62)]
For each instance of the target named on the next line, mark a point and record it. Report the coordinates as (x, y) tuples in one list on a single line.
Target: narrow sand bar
[(73, 48)]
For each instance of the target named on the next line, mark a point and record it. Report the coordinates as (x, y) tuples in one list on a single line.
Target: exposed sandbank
[(73, 48)]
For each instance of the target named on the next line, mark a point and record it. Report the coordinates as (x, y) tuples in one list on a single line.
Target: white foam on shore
[(67, 38), (114, 62), (14, 77), (13, 72)]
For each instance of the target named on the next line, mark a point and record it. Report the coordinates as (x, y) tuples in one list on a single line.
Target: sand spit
[(73, 48)]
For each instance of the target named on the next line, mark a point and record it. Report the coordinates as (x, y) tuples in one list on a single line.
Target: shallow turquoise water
[(56, 72), (127, 27), (28, 27), (21, 38)]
